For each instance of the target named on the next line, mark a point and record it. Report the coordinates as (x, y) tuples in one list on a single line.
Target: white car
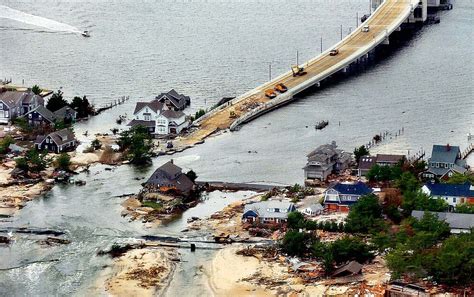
[(365, 29)]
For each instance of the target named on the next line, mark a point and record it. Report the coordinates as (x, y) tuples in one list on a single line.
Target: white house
[(313, 210), (158, 118), (453, 194)]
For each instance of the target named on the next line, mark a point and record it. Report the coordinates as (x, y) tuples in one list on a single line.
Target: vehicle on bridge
[(297, 71), (334, 52), (270, 93), (281, 88), (365, 28)]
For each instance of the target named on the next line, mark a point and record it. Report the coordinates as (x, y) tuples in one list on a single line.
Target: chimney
[(448, 147)]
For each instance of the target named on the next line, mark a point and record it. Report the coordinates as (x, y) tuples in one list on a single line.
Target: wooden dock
[(112, 104), (467, 151)]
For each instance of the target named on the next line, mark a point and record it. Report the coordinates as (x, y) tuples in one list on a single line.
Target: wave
[(13, 14)]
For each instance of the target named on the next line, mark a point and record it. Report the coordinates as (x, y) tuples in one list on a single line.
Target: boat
[(321, 125), (86, 34)]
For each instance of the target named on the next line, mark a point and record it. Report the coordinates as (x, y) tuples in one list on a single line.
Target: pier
[(357, 47), (467, 151)]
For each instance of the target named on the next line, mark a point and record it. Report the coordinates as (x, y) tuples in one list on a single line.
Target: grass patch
[(152, 204)]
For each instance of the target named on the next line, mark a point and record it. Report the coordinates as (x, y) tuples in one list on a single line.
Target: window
[(147, 118), (1, 106), (454, 199)]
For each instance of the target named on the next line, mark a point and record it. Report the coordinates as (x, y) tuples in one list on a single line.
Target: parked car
[(334, 52), (281, 88), (270, 93)]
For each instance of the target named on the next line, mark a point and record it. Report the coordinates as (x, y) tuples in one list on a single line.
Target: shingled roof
[(358, 188), (154, 105), (44, 112), (178, 100)]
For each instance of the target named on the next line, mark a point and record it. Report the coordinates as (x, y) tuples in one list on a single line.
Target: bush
[(63, 161), (296, 220)]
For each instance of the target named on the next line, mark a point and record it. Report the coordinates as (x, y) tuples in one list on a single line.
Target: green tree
[(465, 208), (95, 144), (407, 182), (22, 164), (63, 161), (192, 175), (137, 143), (22, 123), (56, 101), (36, 90), (365, 216), (82, 106), (5, 143), (417, 200), (295, 220), (37, 161), (360, 152), (458, 178), (296, 243), (199, 114)]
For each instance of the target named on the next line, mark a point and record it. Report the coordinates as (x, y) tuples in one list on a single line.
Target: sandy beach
[(140, 272)]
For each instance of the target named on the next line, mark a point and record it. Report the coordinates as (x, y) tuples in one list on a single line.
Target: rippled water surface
[(208, 50)]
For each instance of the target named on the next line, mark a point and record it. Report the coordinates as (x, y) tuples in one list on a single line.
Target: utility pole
[(341, 32), (321, 44), (297, 58), (357, 19)]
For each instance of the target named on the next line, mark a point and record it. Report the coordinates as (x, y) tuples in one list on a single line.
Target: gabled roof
[(12, 98), (59, 137), (178, 100), (147, 124), (170, 174), (454, 190), (154, 105), (315, 207), (350, 268), (44, 112), (444, 153), (366, 162), (172, 114), (30, 97), (63, 111), (387, 158), (358, 188), (455, 220), (264, 208), (323, 151)]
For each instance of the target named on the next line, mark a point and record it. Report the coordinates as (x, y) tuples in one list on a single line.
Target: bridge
[(355, 47)]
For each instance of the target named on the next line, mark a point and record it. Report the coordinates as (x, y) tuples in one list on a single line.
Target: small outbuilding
[(351, 268), (314, 209)]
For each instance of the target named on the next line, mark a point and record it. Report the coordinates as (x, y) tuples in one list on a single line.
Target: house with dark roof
[(173, 100), (56, 142), (170, 178), (66, 114), (325, 160), (159, 118), (444, 162), (366, 162), (458, 222), (453, 194), (270, 212), (15, 103), (40, 117), (341, 196)]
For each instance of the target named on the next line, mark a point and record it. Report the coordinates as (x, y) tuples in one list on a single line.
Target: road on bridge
[(385, 17)]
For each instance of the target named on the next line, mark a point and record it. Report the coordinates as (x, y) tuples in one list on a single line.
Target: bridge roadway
[(384, 20)]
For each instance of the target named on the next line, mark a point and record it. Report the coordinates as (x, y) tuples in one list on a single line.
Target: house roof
[(59, 137), (147, 124), (387, 158), (170, 174), (63, 111), (44, 112), (264, 209), (455, 220), (442, 171), (315, 207), (178, 100), (172, 114), (323, 152), (445, 153), (30, 97), (154, 105), (454, 190), (350, 268), (358, 188), (366, 162), (12, 98)]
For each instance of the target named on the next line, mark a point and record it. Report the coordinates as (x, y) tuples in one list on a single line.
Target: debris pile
[(146, 277)]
